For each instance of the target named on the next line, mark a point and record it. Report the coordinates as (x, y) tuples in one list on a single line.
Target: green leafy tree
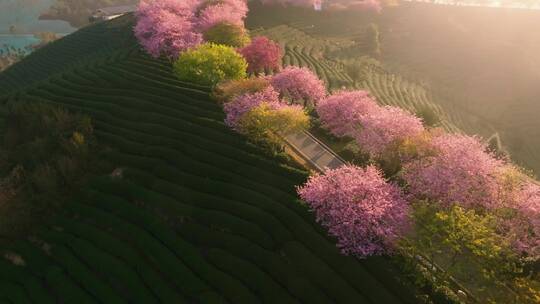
[(210, 64), (226, 91), (227, 34), (266, 121), (51, 144), (460, 233), (373, 37), (47, 153), (360, 68), (466, 244), (429, 116)]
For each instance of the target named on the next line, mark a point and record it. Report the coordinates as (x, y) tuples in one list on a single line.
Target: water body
[(24, 15), (17, 41)]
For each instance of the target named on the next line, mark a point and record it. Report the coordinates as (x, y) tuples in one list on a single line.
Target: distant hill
[(77, 12), (21, 16), (483, 61), (193, 213)]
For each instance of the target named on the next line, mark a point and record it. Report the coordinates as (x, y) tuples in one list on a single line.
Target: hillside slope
[(328, 41), (193, 214), (483, 61), (476, 67)]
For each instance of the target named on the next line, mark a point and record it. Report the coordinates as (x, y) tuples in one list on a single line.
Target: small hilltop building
[(111, 12)]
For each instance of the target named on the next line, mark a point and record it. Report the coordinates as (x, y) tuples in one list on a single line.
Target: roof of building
[(115, 10)]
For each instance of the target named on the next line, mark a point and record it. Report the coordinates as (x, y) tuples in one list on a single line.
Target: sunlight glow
[(487, 3)]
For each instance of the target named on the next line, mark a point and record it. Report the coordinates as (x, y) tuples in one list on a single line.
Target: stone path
[(319, 156)]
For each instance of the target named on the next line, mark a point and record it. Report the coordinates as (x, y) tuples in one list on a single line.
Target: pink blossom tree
[(262, 54), (386, 126), (359, 207), (299, 85), (341, 112), (522, 228), (166, 27), (224, 11), (460, 172), (529, 207), (242, 104)]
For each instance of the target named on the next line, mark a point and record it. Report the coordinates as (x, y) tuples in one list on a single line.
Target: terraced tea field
[(480, 64), (480, 60), (305, 51), (302, 49), (416, 73), (193, 214)]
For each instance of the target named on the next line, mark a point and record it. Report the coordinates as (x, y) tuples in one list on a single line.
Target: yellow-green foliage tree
[(267, 121), (51, 144), (467, 245), (373, 38), (227, 34), (46, 155), (228, 90), (210, 64)]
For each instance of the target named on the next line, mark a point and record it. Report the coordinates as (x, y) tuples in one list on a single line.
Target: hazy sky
[(527, 4)]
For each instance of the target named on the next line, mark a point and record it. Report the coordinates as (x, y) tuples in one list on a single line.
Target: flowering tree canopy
[(460, 233), (169, 27), (262, 54), (341, 112), (166, 27), (386, 126), (227, 34), (223, 11), (523, 228), (242, 104), (226, 91), (299, 85), (270, 118), (363, 211), (461, 171), (210, 64)]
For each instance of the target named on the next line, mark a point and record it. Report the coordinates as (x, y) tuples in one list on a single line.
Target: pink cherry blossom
[(166, 27), (299, 85), (262, 54), (461, 171), (242, 104), (522, 229), (225, 11), (341, 112), (385, 126), (359, 207)]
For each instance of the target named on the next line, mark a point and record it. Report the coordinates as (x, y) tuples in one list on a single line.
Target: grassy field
[(193, 214), (476, 67)]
